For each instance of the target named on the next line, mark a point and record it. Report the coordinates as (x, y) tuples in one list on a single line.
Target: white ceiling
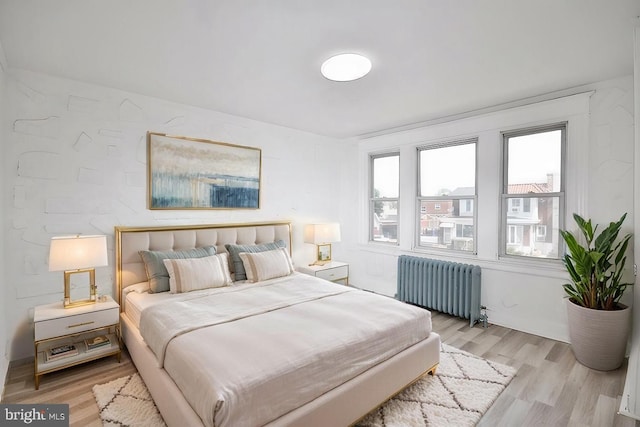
[(261, 59)]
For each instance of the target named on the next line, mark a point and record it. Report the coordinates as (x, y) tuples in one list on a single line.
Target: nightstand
[(333, 271), (56, 326)]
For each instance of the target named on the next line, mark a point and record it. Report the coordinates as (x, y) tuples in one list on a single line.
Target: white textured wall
[(523, 296), (611, 152), (77, 164), (611, 189)]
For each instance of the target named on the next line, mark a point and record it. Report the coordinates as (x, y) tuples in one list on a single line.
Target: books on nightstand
[(68, 350), (60, 352), (97, 342)]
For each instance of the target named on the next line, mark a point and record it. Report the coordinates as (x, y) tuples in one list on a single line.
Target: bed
[(276, 349)]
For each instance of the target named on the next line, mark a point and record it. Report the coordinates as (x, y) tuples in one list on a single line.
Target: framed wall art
[(189, 173)]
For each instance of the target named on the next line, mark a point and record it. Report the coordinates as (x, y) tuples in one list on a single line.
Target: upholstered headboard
[(130, 240)]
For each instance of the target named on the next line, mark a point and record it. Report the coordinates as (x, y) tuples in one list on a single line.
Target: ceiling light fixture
[(346, 67)]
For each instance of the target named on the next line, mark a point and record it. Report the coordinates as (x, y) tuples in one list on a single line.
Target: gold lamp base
[(67, 302), (323, 254)]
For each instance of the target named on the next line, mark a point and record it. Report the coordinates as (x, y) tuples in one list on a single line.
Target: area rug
[(126, 402), (463, 389)]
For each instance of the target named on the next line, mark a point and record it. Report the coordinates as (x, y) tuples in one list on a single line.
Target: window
[(515, 234), (541, 232), (533, 192), (447, 195), (384, 198)]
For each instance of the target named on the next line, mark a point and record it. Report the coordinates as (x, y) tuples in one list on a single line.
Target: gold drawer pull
[(79, 324)]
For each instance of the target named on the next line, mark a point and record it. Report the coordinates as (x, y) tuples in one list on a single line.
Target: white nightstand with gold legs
[(334, 271), (56, 326)]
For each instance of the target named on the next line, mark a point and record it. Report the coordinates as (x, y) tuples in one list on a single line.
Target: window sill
[(540, 267)]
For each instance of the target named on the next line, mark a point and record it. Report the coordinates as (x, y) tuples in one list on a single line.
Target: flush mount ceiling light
[(346, 67)]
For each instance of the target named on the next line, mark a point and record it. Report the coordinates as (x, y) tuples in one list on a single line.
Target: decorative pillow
[(235, 250), (139, 288), (192, 274), (156, 271), (267, 264)]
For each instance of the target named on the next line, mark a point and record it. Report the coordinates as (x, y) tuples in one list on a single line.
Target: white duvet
[(245, 356)]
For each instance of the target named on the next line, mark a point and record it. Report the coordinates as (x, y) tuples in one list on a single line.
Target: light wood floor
[(72, 386), (550, 389)]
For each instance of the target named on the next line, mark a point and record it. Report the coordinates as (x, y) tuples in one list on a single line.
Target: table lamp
[(78, 254), (322, 235)]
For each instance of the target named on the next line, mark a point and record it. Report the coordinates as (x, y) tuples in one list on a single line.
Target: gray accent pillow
[(157, 273), (236, 261)]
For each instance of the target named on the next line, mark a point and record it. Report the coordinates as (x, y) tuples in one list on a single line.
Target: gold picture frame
[(192, 173)]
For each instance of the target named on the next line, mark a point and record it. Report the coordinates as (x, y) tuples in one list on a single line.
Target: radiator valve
[(483, 316)]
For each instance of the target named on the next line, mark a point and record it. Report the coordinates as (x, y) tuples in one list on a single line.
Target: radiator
[(444, 286)]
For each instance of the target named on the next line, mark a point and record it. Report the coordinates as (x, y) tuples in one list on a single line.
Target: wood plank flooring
[(72, 386), (550, 389)]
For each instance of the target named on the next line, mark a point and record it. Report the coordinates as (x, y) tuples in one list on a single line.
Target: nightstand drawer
[(73, 324), (332, 274)]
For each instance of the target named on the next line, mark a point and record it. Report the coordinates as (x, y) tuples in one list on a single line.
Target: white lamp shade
[(77, 252), (322, 233)]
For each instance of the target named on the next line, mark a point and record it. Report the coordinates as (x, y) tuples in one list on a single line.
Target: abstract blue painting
[(189, 173)]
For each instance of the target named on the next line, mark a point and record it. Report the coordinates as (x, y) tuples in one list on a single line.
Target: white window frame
[(573, 109), (373, 199), (435, 199), (505, 235)]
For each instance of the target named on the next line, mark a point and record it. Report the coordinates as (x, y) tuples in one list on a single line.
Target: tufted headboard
[(130, 240)]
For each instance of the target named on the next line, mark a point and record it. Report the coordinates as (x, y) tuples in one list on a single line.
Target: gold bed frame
[(334, 400)]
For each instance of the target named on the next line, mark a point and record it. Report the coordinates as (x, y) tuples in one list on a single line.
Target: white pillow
[(267, 265), (192, 274), (139, 288)]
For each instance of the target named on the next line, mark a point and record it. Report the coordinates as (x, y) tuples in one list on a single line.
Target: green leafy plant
[(597, 268)]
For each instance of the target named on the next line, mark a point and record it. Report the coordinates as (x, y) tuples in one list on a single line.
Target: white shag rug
[(127, 402), (463, 389)]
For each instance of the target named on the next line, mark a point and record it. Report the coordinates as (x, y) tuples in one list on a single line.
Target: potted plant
[(598, 323)]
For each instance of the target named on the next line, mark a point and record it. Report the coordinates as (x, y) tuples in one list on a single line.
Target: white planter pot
[(599, 337)]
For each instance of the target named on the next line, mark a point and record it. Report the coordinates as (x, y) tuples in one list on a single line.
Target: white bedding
[(135, 302), (286, 342), (162, 322)]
